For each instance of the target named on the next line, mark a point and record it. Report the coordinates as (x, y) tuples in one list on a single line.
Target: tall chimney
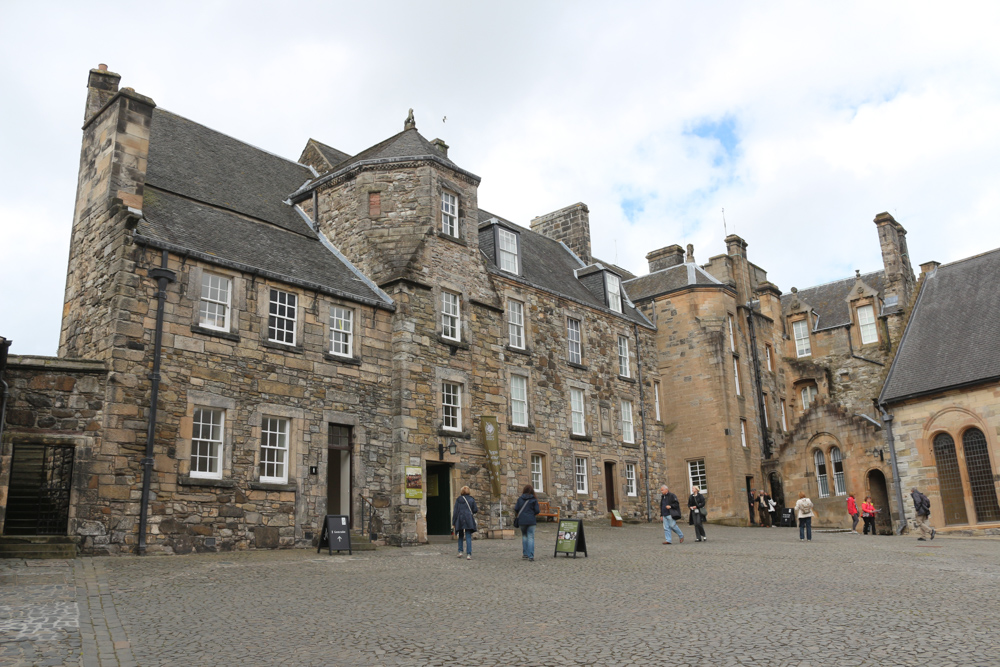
[(664, 258), (571, 225), (101, 87), (900, 280)]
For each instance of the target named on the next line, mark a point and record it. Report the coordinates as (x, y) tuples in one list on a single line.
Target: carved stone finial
[(410, 124), (857, 273), (690, 254), (795, 290)]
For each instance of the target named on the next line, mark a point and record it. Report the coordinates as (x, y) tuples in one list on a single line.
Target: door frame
[(330, 448)]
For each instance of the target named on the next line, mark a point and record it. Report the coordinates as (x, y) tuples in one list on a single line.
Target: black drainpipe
[(891, 441), (4, 345), (642, 418), (764, 440), (163, 276)]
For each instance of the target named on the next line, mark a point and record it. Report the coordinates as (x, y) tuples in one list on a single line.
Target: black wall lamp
[(452, 448)]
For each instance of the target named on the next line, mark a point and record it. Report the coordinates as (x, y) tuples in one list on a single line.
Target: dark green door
[(438, 491)]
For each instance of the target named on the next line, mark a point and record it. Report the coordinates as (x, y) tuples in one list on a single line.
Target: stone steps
[(37, 547)]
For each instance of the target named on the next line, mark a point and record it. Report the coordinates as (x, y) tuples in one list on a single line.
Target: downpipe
[(642, 418), (891, 441)]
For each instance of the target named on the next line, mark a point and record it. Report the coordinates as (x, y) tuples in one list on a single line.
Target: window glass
[(450, 316), (216, 296), (767, 353), (581, 475), (508, 250), (451, 404), (800, 330), (341, 331), (281, 318), (767, 422), (808, 395), (784, 420), (537, 476), (697, 476), (206, 443), (515, 323), (656, 399), (573, 332), (623, 365), (614, 293), (449, 214), (732, 338), (839, 487), (519, 400), (866, 321), (736, 371), (630, 487), (628, 434), (824, 487), (576, 408), (274, 450), (743, 432)]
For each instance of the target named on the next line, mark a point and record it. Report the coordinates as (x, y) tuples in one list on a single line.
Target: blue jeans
[(528, 541), (670, 524), (468, 541), (806, 528)]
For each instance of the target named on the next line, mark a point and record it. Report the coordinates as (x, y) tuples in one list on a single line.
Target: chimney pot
[(102, 67)]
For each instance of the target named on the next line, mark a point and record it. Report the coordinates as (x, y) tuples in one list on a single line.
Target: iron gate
[(41, 477)]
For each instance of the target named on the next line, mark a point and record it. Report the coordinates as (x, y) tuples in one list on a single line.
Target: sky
[(801, 120)]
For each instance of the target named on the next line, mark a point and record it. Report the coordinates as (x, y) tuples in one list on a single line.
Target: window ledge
[(584, 438), (521, 429), (518, 350), (294, 349), (631, 445), (625, 378), (187, 480), (457, 344), (215, 333), (462, 435), (573, 364), (271, 486), (352, 361), (453, 239)]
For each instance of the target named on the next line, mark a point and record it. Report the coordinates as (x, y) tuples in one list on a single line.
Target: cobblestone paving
[(745, 597)]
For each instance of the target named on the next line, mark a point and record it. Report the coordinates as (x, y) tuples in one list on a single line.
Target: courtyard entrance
[(438, 492), (339, 477), (38, 496)]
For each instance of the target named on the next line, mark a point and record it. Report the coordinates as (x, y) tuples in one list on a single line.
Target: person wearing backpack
[(922, 505), (524, 518), (464, 521), (804, 511), (670, 511)]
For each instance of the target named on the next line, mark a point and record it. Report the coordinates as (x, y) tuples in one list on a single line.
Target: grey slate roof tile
[(953, 336), (669, 279), (830, 300), (408, 143), (332, 155)]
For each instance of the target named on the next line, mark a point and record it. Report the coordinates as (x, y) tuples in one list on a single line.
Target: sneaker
[(704, 539), (682, 540), (469, 557), (460, 554), (802, 539), (523, 556), (531, 559), (920, 539), (933, 533)]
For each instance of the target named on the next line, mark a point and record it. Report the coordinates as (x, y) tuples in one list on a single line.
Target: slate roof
[(953, 336), (669, 279), (547, 264), (331, 154), (829, 301), (408, 143)]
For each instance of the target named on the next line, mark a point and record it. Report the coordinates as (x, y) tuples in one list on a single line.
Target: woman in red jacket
[(852, 509), (868, 514)]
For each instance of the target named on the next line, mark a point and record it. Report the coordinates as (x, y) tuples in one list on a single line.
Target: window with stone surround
[(614, 292), (656, 399), (839, 485), (767, 421), (866, 323), (820, 461), (808, 394), (630, 485), (743, 432), (207, 430), (341, 332), (216, 301), (576, 411), (282, 317), (784, 419), (575, 345), (623, 365), (800, 330), (508, 254), (451, 406), (736, 373), (732, 337), (515, 324), (451, 327), (274, 450), (538, 472), (628, 434), (580, 468), (767, 355), (697, 476), (518, 400), (449, 214)]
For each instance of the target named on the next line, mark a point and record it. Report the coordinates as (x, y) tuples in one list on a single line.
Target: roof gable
[(831, 301)]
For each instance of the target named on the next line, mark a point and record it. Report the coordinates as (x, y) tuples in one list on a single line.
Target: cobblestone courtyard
[(745, 597)]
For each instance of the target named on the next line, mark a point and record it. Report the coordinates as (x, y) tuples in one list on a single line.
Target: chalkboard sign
[(570, 538), (336, 534)]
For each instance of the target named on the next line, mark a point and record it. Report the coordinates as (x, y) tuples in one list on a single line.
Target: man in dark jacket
[(922, 505), (670, 511)]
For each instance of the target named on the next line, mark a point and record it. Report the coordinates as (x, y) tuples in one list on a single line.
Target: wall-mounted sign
[(414, 482)]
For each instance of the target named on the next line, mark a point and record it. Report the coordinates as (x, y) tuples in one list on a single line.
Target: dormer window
[(449, 214), (866, 322), (614, 292), (508, 250), (800, 331)]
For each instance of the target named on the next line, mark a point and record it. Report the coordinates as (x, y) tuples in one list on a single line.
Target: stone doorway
[(609, 485), (878, 490), (777, 493), (339, 471), (38, 495), (438, 496)]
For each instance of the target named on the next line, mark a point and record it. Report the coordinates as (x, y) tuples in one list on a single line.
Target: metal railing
[(374, 521)]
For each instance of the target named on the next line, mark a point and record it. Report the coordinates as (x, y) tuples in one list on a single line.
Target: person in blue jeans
[(670, 511), (464, 521), (525, 511), (804, 511)]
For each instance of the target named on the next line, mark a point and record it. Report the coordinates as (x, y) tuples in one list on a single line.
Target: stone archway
[(879, 492)]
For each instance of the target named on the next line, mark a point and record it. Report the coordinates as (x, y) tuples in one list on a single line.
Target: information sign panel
[(570, 538), (336, 533)]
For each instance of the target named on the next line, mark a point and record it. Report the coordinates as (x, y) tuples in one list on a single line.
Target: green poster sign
[(566, 538), (491, 441)]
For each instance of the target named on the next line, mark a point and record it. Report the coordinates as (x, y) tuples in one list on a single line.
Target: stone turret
[(571, 225)]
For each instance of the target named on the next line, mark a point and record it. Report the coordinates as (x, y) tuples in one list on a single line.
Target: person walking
[(670, 511), (804, 512), (773, 511), (696, 516), (752, 502), (524, 518), (922, 504), (852, 509), (765, 508), (868, 514), (464, 521)]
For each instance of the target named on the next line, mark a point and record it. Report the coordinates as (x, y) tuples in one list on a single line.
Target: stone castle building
[(250, 343)]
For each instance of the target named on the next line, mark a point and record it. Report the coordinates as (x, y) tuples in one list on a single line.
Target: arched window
[(950, 480), (977, 460), (824, 487), (838, 472)]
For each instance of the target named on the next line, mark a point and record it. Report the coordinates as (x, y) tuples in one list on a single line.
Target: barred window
[(508, 251), (451, 405), (341, 332), (576, 409), (518, 400), (573, 333), (515, 323), (206, 443), (628, 435), (630, 487), (581, 475), (623, 365), (450, 322), (281, 320), (216, 297), (274, 450)]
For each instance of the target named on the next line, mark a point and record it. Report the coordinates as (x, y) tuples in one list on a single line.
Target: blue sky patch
[(723, 131), (633, 206)]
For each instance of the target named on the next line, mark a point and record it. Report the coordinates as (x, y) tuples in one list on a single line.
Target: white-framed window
[(538, 472), (824, 487), (784, 419), (630, 486), (623, 365), (451, 406), (732, 337), (208, 427), (450, 314), (697, 476), (808, 394), (736, 373), (656, 399), (508, 250), (515, 323), (575, 347), (274, 450), (767, 421), (449, 214), (839, 487), (866, 321), (767, 354), (282, 317), (800, 330), (576, 411), (743, 432), (341, 331), (518, 400), (216, 301), (580, 468), (628, 434), (614, 292)]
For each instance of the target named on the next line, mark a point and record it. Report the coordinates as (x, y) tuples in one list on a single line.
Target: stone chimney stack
[(101, 87), (571, 225), (900, 280), (736, 246), (440, 146), (929, 267), (664, 258)]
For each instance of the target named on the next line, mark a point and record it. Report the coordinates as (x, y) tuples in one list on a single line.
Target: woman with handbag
[(463, 520), (868, 514), (696, 517), (524, 518)]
